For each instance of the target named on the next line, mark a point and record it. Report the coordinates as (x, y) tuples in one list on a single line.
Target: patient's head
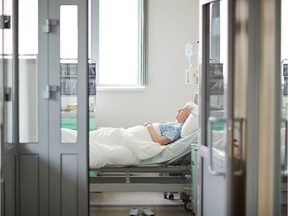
[(184, 112)]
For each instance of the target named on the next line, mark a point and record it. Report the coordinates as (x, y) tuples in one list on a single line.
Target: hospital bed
[(127, 160), (150, 174), (169, 171)]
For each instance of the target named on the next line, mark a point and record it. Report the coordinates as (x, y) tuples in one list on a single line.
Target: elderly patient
[(170, 131), (129, 146)]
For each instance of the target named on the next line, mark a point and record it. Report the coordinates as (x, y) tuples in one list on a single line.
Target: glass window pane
[(68, 32), (284, 106), (28, 79), (7, 69), (68, 68), (216, 57), (8, 32), (118, 42), (28, 27), (28, 99), (1, 32), (216, 70)]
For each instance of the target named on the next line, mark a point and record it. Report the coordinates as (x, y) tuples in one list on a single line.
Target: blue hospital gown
[(171, 130)]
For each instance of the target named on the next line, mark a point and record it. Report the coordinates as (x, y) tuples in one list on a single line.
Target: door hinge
[(7, 94), (48, 90), (5, 22), (48, 23)]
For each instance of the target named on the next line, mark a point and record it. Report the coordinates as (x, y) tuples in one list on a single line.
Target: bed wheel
[(188, 207), (184, 197)]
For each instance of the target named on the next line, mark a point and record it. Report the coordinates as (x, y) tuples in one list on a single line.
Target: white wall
[(171, 25)]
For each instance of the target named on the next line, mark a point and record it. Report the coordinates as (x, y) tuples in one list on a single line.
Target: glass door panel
[(216, 105), (28, 74), (8, 75), (215, 75), (1, 113), (69, 73), (284, 108), (8, 141), (215, 72), (68, 68)]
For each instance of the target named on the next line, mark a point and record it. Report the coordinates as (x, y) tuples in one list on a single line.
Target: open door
[(41, 175), (243, 139), (220, 131), (63, 56)]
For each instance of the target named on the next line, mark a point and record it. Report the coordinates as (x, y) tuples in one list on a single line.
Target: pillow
[(195, 111), (191, 123)]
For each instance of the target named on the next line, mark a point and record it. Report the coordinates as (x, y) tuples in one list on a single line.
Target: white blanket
[(117, 146)]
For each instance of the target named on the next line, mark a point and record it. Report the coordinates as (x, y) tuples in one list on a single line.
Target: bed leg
[(127, 176)]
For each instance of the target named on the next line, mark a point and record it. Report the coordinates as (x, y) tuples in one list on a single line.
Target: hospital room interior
[(90, 89)]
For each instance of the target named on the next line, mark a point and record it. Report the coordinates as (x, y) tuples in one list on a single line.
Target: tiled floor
[(119, 204)]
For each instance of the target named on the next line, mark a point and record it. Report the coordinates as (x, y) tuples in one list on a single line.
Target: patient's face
[(182, 114)]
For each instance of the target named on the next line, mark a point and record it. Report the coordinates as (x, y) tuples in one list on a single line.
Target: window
[(117, 42)]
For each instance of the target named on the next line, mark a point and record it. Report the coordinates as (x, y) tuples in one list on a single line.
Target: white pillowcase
[(191, 123)]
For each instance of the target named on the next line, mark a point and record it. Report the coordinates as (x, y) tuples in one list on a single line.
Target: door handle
[(212, 120), (48, 24), (7, 94), (5, 22), (210, 142)]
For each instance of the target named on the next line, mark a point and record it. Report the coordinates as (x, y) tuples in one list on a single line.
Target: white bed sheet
[(121, 146), (130, 146)]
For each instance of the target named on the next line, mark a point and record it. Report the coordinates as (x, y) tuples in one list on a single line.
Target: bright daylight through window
[(119, 43), (116, 42)]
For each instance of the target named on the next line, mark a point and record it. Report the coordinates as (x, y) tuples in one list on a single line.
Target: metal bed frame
[(173, 175)]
